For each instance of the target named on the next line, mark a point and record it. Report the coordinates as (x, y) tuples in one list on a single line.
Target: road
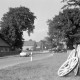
[(14, 60)]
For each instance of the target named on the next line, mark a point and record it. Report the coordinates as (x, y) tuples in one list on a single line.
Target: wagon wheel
[(68, 66)]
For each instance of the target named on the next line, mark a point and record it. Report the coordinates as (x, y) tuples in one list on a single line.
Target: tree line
[(63, 27), (66, 25)]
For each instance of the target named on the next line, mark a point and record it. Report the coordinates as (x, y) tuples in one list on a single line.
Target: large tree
[(66, 25), (14, 22), (71, 3)]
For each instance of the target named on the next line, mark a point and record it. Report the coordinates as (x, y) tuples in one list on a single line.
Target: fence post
[(31, 56)]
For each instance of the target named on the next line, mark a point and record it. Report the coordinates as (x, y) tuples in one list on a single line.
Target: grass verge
[(45, 69)]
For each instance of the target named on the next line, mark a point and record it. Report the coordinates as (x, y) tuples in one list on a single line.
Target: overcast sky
[(42, 9)]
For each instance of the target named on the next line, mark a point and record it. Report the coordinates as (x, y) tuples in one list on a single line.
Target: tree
[(66, 25), (55, 30), (73, 4), (14, 22), (70, 3), (48, 42)]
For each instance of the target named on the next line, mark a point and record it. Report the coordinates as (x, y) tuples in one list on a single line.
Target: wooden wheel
[(68, 66)]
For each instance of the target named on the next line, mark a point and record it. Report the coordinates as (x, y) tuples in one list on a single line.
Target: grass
[(45, 69)]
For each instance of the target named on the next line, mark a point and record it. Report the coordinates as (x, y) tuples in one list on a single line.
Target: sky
[(42, 9)]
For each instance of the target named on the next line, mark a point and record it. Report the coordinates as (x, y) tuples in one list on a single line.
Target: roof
[(29, 43), (38, 43), (3, 43)]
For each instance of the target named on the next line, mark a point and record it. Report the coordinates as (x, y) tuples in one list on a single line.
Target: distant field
[(45, 69)]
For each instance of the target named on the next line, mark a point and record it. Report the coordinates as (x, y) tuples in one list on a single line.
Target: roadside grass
[(45, 69)]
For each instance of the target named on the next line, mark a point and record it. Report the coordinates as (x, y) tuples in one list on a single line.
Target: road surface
[(14, 60)]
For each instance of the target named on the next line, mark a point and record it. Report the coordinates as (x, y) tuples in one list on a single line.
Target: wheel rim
[(68, 66)]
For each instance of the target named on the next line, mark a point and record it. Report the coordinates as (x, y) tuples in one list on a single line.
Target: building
[(33, 45), (29, 45), (4, 46), (40, 45)]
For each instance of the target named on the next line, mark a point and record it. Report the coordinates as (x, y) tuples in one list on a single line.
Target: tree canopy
[(14, 22), (66, 25), (70, 3)]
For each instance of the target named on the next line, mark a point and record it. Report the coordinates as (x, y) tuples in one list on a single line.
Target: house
[(39, 45), (33, 45), (4, 46), (29, 45)]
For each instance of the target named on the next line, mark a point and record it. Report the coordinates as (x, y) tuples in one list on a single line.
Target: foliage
[(70, 3), (66, 25), (73, 4), (14, 22), (48, 42)]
